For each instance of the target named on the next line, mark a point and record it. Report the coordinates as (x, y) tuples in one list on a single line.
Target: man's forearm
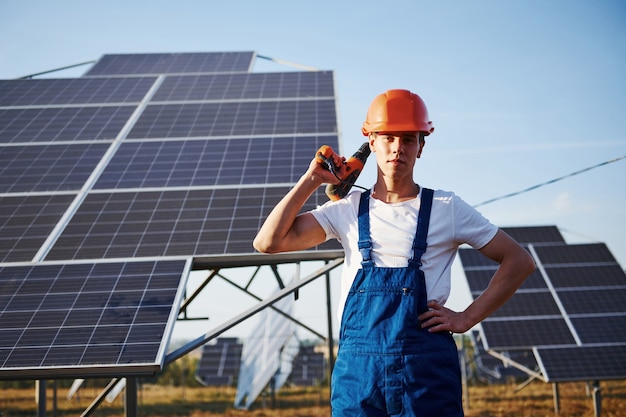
[(280, 231)]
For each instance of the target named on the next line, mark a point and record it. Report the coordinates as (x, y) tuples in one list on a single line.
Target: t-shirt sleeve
[(471, 227), (336, 216), (323, 217)]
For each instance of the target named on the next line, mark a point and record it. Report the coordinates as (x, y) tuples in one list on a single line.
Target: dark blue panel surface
[(174, 63), (86, 319)]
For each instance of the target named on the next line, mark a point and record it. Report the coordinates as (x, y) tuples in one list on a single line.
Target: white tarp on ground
[(267, 354)]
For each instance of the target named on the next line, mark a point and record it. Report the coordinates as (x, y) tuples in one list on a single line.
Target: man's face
[(396, 152)]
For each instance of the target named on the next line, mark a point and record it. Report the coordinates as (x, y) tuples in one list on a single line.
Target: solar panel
[(151, 158), (575, 301), (87, 319), (491, 368), (126, 64), (48, 167), (235, 119), (252, 86), (581, 276), (73, 91), (220, 362), (535, 234), (600, 362), (309, 367), (168, 223), (575, 254), (26, 222), (55, 124), (192, 163), (478, 279), (267, 353), (525, 333)]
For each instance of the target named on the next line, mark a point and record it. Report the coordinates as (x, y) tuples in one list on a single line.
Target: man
[(396, 353)]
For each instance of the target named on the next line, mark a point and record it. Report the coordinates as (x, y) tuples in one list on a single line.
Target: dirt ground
[(534, 400)]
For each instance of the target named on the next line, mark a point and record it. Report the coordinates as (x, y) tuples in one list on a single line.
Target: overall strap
[(423, 220), (365, 243)]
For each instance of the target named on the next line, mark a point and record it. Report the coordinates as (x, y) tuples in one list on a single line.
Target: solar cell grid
[(574, 254), (535, 234), (478, 279), (246, 86), (26, 223), (597, 329), (528, 304), (472, 258), (236, 119), (592, 363), (167, 223), (590, 288), (177, 163), (73, 91), (115, 320), (48, 167), (62, 322), (219, 363), (120, 64), (516, 334), (594, 301), (62, 123), (586, 276)]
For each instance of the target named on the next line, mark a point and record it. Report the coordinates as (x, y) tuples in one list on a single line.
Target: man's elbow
[(527, 264), (266, 244), (262, 245)]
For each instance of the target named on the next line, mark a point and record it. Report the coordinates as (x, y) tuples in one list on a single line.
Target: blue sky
[(520, 92)]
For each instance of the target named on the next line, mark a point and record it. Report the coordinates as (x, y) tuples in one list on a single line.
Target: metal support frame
[(96, 402), (514, 364), (331, 261), (557, 398), (594, 386), (331, 343), (597, 398), (130, 397), (276, 309), (41, 397), (289, 289)]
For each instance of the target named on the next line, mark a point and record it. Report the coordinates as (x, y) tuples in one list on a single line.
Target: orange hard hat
[(397, 111)]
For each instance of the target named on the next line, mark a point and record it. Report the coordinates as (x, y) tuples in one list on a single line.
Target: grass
[(535, 400)]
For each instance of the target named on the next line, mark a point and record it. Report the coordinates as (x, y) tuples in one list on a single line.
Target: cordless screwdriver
[(354, 166)]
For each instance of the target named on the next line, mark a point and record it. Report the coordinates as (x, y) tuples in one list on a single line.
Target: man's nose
[(398, 147)]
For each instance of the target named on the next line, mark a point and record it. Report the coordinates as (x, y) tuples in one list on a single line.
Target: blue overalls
[(387, 365)]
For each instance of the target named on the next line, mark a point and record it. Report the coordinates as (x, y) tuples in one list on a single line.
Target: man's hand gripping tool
[(353, 167)]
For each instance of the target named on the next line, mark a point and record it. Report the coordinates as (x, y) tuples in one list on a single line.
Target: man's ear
[(371, 139), (422, 144)]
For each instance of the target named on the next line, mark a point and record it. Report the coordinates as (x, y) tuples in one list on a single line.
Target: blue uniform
[(387, 365)]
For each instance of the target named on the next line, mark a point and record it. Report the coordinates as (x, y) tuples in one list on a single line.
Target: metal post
[(55, 386), (41, 397), (597, 399), (557, 398), (331, 344), (130, 399)]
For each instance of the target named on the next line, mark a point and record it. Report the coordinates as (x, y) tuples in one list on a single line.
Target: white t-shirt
[(392, 229)]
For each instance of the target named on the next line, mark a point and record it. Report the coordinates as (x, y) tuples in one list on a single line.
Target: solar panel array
[(571, 311), (154, 157), (86, 319), (220, 361), (489, 368), (309, 367)]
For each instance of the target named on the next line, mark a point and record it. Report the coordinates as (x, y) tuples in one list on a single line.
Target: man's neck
[(395, 193)]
